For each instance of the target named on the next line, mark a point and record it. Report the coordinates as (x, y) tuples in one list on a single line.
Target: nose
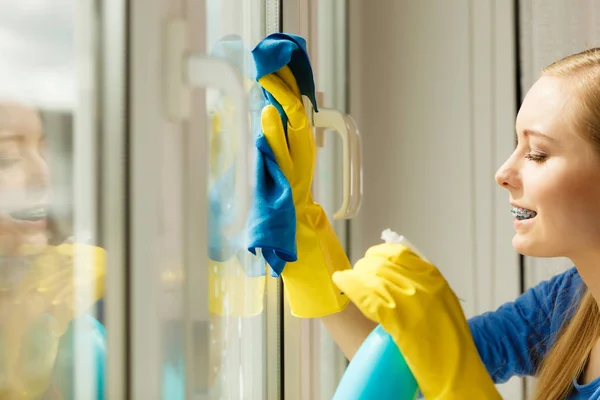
[(507, 175)]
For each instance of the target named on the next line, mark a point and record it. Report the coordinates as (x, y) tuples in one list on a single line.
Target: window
[(117, 188), (200, 305), (53, 263)]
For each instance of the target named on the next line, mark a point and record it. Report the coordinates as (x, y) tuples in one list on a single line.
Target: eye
[(536, 157), (9, 160)]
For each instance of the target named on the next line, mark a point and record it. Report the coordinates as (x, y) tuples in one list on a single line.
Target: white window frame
[(304, 349), (99, 179), (113, 193)]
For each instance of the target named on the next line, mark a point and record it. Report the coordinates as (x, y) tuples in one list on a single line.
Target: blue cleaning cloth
[(281, 49), (273, 219), (272, 225)]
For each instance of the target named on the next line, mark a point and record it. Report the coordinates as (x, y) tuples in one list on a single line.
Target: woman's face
[(554, 172), (23, 179)]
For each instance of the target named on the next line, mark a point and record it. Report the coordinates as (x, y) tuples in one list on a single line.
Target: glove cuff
[(313, 301), (309, 285)]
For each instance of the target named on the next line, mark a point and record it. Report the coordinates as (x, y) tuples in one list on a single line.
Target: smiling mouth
[(522, 213), (30, 214)]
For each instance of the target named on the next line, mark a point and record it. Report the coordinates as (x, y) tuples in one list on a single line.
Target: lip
[(520, 223), (519, 206), (39, 224)]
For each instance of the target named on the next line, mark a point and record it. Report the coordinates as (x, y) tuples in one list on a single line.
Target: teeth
[(522, 213), (32, 214)]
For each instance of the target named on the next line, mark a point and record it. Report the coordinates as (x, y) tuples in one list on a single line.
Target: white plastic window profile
[(345, 126)]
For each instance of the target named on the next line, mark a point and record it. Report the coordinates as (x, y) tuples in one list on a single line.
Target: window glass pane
[(225, 302), (236, 293), (52, 270)]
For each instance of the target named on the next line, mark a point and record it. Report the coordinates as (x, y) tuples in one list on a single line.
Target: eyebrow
[(531, 132), (6, 136)]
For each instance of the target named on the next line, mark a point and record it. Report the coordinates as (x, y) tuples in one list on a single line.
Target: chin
[(531, 248), (527, 247), (33, 242)]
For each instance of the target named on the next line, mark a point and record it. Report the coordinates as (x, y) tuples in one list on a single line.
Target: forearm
[(349, 328)]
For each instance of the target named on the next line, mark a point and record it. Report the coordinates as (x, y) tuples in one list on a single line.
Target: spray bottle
[(378, 369)]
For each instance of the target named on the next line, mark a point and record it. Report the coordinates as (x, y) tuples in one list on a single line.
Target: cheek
[(13, 188), (570, 206)]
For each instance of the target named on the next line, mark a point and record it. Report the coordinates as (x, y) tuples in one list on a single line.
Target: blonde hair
[(570, 351)]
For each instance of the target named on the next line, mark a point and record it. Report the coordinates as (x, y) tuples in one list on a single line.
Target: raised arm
[(349, 328)]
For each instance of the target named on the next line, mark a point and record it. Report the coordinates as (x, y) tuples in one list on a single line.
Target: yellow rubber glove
[(36, 313), (412, 301), (310, 290)]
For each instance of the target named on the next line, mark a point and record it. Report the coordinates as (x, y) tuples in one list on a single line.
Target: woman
[(24, 179), (37, 289), (553, 181)]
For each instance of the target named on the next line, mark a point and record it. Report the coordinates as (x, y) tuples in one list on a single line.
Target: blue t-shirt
[(513, 340)]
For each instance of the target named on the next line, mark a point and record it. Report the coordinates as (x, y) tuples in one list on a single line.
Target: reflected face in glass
[(555, 172), (24, 179)]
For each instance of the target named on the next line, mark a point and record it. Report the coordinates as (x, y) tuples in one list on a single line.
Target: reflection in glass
[(226, 303), (38, 280), (236, 278), (43, 293)]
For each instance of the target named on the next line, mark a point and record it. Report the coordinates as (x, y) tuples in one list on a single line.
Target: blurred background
[(117, 132)]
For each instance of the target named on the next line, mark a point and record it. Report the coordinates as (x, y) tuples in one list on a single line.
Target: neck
[(589, 270)]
